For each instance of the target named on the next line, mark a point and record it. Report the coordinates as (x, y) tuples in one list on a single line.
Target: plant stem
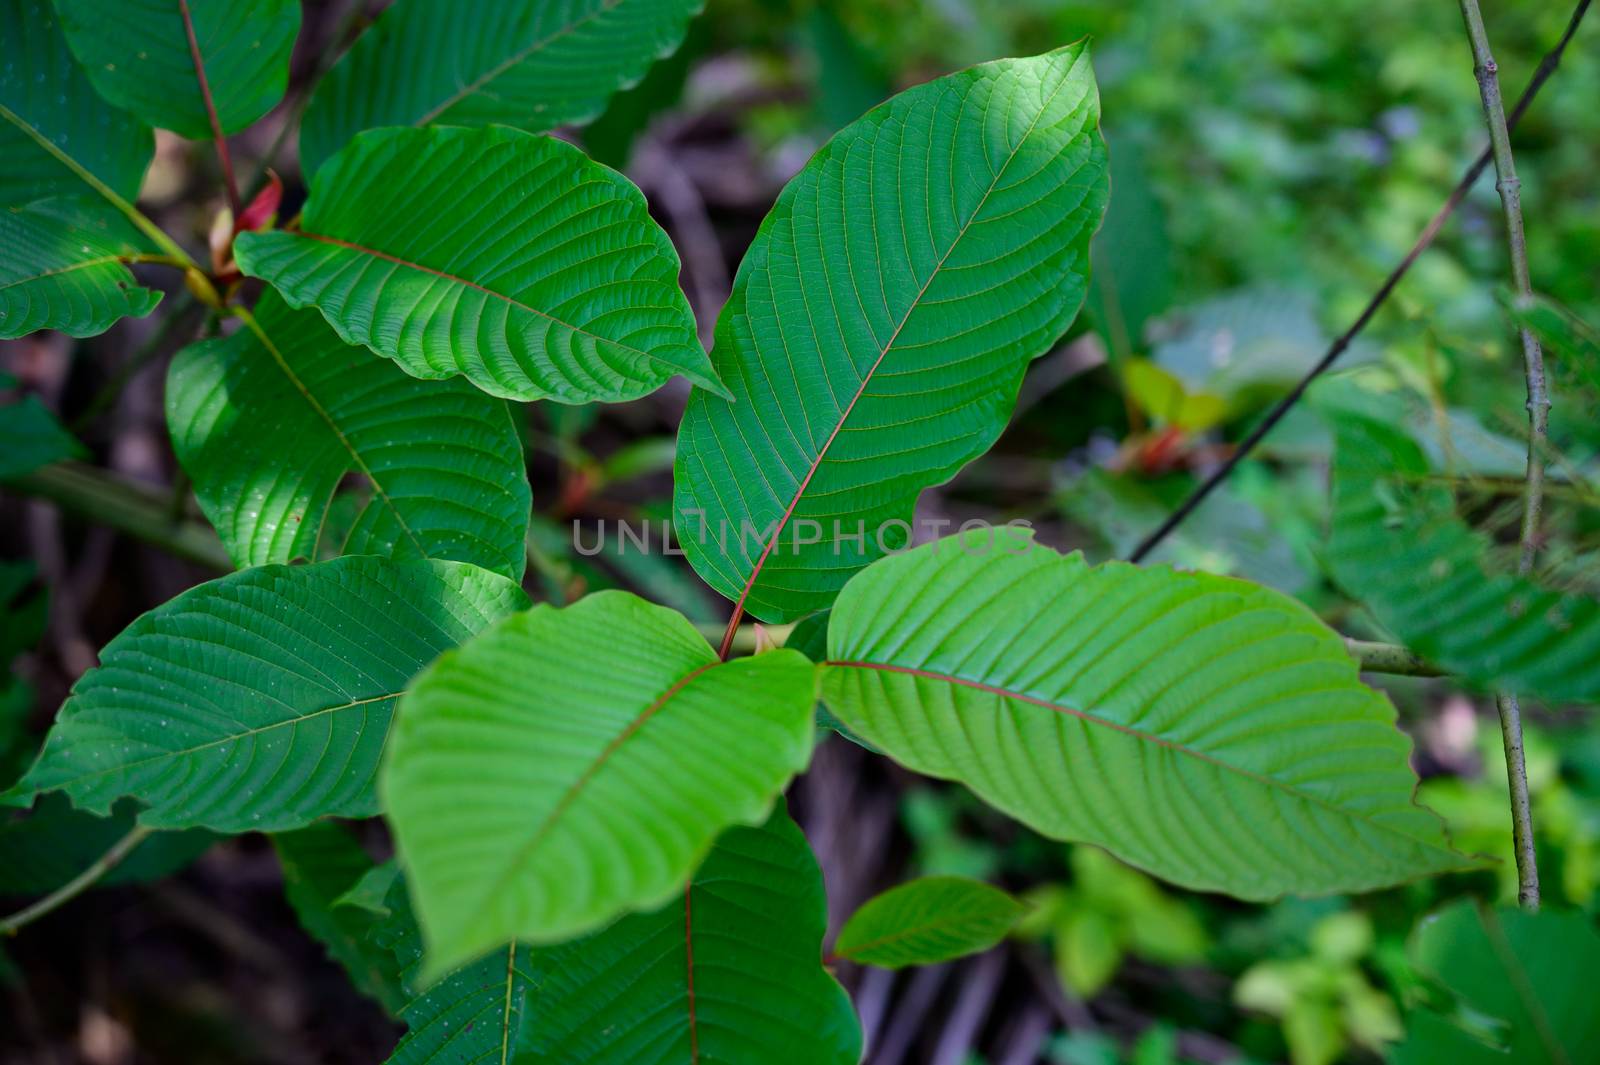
[(139, 510), (234, 203), (744, 636), (1390, 658), (78, 884), (1483, 66), (1547, 67)]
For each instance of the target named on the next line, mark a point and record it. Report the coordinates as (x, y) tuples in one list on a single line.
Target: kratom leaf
[(516, 775), (1531, 976), (261, 700), (52, 843), (30, 437), (61, 268), (268, 432), (505, 257), (881, 322), (1208, 730), (320, 863), (51, 119), (929, 920), (727, 973), (1396, 544), (137, 54), (534, 64)]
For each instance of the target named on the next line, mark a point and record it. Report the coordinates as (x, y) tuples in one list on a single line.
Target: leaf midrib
[(473, 87), (445, 275), (230, 738), (84, 265), (333, 426), (850, 952), (888, 346), (1140, 734), (575, 789)]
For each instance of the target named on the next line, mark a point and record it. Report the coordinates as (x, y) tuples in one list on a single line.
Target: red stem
[(234, 203)]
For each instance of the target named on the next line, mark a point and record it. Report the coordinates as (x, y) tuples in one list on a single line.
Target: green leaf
[(516, 775), (261, 700), (881, 322), (61, 268), (1088, 951), (48, 846), (1533, 974), (30, 436), (1396, 544), (925, 921), (1204, 729), (137, 54), (320, 864), (726, 972), (51, 119), (268, 426), (528, 63), (505, 257)]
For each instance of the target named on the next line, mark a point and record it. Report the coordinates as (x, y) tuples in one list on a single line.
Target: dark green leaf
[(52, 843), (61, 267), (925, 921)]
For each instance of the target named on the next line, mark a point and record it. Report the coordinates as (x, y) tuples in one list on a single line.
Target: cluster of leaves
[(593, 858)]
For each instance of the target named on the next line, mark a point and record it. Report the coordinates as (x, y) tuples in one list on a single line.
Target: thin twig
[(130, 507), (1390, 658), (234, 203), (1483, 66), (78, 884), (1547, 67)]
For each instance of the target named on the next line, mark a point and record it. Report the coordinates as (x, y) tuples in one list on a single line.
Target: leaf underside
[(508, 258), (137, 54), (269, 433), (261, 700), (534, 798), (534, 64), (881, 322), (1205, 729), (1396, 544)]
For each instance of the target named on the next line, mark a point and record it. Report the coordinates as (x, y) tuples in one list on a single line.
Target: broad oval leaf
[(534, 64), (881, 322), (1208, 730), (54, 128), (267, 426), (928, 920), (728, 971), (261, 700), (569, 765), (1396, 544), (138, 54), (509, 258), (62, 268), (1524, 979)]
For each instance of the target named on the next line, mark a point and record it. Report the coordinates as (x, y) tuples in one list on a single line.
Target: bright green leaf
[(1207, 730), (268, 433), (320, 863), (61, 268), (881, 322), (516, 775), (505, 257), (1533, 974), (51, 119), (533, 64), (137, 54), (261, 700), (1396, 544), (1088, 951), (929, 920)]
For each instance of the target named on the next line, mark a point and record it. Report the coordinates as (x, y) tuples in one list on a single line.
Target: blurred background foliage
[(1271, 161)]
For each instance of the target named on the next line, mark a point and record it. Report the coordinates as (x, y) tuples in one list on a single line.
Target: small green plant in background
[(594, 859)]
